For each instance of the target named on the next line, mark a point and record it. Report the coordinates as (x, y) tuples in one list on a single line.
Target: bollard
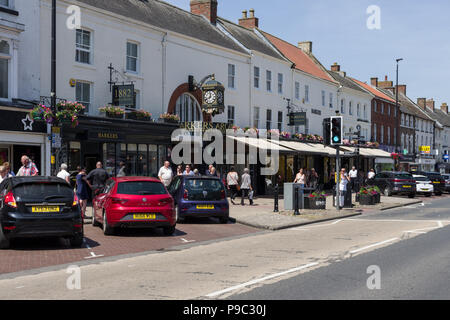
[(296, 212), (275, 203)]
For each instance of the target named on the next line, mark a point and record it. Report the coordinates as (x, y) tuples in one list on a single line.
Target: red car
[(134, 202)]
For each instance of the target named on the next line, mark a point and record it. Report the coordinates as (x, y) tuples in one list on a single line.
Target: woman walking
[(82, 190), (345, 179), (300, 178), (233, 183), (246, 186)]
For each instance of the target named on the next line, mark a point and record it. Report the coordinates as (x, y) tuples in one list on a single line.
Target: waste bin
[(347, 199), (289, 197)]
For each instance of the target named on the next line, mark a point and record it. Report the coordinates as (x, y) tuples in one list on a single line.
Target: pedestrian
[(196, 173), (313, 179), (353, 179), (123, 167), (4, 174), (82, 190), (246, 186), (165, 174), (8, 167), (180, 170), (233, 183), (188, 171), (300, 178), (28, 168), (208, 171), (213, 172), (344, 180), (371, 174), (97, 179), (63, 174)]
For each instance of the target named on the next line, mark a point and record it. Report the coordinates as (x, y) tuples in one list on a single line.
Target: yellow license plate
[(205, 206), (436, 182), (406, 186), (424, 189), (45, 209), (144, 216)]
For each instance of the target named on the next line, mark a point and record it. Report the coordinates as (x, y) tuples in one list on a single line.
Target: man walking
[(165, 174), (122, 172), (246, 186), (28, 168), (353, 179), (97, 178), (63, 174)]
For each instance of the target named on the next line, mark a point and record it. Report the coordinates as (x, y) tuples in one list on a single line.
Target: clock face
[(219, 97), (210, 97)]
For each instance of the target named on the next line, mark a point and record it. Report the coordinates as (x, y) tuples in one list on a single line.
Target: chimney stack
[(444, 108), (305, 46), (430, 104), (249, 22), (422, 102), (374, 82), (402, 88), (206, 8), (335, 67), (386, 83)]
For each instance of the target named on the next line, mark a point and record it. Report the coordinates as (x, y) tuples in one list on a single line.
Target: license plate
[(205, 206), (406, 186), (423, 189), (45, 209), (437, 182), (144, 216)]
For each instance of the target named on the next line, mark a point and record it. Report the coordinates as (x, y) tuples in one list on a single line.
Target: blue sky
[(417, 31)]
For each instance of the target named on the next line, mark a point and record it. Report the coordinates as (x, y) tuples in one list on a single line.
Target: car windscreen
[(43, 191), (403, 176), (421, 178), (204, 189), (141, 188)]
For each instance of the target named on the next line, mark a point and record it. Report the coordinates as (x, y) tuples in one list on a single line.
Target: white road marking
[(93, 255), (249, 283), (440, 224), (187, 241), (374, 245), (20, 287)]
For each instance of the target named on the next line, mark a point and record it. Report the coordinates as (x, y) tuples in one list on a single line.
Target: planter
[(317, 203), (134, 116), (170, 121), (366, 200), (377, 198), (114, 115)]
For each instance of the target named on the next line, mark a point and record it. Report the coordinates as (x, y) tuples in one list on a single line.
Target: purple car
[(199, 196)]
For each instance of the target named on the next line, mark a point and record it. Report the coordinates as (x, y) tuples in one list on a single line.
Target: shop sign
[(425, 149), (123, 95), (446, 157), (20, 121), (197, 125), (407, 158), (105, 136), (315, 111), (297, 119)]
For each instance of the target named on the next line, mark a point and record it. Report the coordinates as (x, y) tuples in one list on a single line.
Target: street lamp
[(396, 107)]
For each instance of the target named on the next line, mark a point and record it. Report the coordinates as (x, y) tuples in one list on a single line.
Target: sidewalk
[(261, 214)]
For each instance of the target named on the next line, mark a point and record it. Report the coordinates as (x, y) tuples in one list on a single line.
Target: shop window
[(188, 108), (131, 162), (109, 158), (142, 164), (153, 161), (75, 155), (5, 57)]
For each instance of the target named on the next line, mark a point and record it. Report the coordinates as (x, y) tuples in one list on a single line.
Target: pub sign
[(297, 119), (123, 95)]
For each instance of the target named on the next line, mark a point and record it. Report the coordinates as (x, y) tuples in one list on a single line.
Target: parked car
[(395, 182), (423, 185), (39, 207), (447, 181), (436, 178), (139, 202), (200, 196)]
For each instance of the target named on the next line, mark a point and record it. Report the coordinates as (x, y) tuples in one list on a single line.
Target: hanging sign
[(123, 95), (297, 118)]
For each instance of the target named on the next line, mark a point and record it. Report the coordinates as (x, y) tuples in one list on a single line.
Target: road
[(259, 265)]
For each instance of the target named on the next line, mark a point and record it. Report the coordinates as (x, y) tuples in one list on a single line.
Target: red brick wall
[(206, 8), (388, 121)]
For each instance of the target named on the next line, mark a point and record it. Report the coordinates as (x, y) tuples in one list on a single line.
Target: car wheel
[(387, 191), (438, 193), (4, 242), (411, 195), (428, 195), (77, 241), (95, 223), (223, 220), (168, 231), (107, 230), (179, 219)]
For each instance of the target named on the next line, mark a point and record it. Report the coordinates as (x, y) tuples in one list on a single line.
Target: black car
[(395, 182), (437, 180), (39, 207)]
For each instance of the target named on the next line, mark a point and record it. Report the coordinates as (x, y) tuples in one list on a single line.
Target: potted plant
[(139, 115), (67, 116), (74, 107), (42, 113), (365, 197), (170, 118), (376, 193), (113, 112), (316, 201)]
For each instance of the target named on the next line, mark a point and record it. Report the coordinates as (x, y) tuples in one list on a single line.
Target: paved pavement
[(261, 214)]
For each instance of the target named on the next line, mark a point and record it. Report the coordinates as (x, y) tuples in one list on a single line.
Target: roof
[(15, 181), (373, 90), (411, 106), (345, 81), (249, 39), (442, 117), (166, 16), (301, 60)]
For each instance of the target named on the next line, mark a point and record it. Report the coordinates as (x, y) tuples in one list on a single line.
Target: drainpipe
[(163, 71)]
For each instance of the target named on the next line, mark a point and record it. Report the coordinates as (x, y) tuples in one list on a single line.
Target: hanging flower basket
[(43, 113), (140, 115), (169, 118), (112, 112)]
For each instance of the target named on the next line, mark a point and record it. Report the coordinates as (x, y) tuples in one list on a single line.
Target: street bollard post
[(275, 200)]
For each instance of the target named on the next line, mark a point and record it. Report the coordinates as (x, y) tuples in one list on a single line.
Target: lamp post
[(396, 108), (53, 78)]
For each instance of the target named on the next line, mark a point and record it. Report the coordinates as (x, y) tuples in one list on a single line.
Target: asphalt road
[(418, 268)]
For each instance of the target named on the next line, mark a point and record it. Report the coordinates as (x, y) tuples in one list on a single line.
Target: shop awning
[(378, 153), (330, 152), (300, 147), (261, 143)]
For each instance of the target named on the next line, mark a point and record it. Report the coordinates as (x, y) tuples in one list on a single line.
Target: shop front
[(20, 135)]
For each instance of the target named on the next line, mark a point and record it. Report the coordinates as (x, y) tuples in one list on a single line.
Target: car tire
[(223, 220), (168, 231), (387, 191), (107, 230), (438, 193), (77, 241), (95, 223), (4, 242), (411, 195), (428, 195), (178, 218)]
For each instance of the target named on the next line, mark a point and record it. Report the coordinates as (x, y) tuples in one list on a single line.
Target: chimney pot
[(444, 108), (250, 22), (335, 67), (244, 14), (252, 13)]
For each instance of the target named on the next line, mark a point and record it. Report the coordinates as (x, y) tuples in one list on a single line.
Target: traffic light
[(326, 131), (336, 130)]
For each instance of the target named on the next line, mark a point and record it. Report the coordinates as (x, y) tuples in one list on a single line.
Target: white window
[(83, 94), (382, 108), (382, 134), (342, 106), (231, 75), (280, 121), (350, 108), (297, 90), (323, 98), (5, 58), (269, 80), (256, 77), (374, 133), (231, 115), (280, 83), (365, 112), (256, 117), (83, 44), (188, 108), (306, 93), (358, 110), (388, 135), (132, 57), (268, 119), (5, 3), (331, 100)]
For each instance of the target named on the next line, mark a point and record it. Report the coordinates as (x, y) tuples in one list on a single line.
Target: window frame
[(231, 76), (8, 57), (256, 116), (268, 80), (256, 77), (91, 46), (306, 93), (138, 53), (91, 85), (231, 109), (280, 78), (269, 119)]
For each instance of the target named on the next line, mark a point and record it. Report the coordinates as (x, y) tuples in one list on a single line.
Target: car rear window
[(204, 189), (403, 176), (141, 188), (421, 179), (42, 191)]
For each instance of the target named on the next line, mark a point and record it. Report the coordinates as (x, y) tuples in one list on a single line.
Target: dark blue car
[(199, 196)]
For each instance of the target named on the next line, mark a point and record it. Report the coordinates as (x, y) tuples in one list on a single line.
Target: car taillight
[(165, 202), (75, 201), (222, 195), (118, 201), (10, 201), (185, 195)]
